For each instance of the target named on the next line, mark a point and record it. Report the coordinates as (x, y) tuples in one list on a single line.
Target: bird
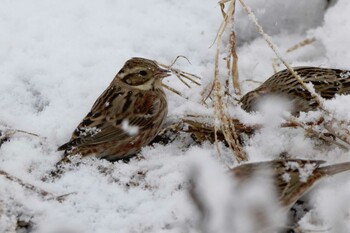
[(125, 117), (327, 82), (291, 178), (262, 193)]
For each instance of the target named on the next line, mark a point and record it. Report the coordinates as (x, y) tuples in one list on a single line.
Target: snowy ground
[(57, 57)]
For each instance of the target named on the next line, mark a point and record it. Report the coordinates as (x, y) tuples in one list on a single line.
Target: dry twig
[(299, 45), (31, 187), (232, 55), (181, 75), (223, 122)]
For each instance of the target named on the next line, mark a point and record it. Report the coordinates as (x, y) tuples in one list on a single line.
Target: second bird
[(327, 83), (127, 115)]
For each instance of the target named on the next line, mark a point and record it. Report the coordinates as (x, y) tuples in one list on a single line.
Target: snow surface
[(57, 57)]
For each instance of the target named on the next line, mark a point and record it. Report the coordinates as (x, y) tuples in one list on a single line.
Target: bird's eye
[(143, 73)]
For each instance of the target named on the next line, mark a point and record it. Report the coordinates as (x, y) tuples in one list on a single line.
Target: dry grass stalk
[(227, 126), (197, 126), (206, 93), (10, 132), (252, 81), (310, 129), (173, 90), (301, 44), (342, 132), (275, 65), (232, 57), (222, 121), (203, 131), (37, 190), (307, 41), (181, 75), (341, 136), (7, 133)]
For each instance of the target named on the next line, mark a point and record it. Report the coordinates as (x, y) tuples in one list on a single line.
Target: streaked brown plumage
[(134, 98), (263, 195), (292, 178), (327, 83)]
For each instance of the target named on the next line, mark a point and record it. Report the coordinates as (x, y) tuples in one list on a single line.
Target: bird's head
[(142, 73)]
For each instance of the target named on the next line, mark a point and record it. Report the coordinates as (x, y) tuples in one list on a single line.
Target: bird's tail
[(335, 168)]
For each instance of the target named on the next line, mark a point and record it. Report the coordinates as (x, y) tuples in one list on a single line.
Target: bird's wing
[(113, 118), (329, 82), (285, 174), (293, 177)]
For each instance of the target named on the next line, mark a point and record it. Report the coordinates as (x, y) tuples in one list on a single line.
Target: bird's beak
[(162, 73)]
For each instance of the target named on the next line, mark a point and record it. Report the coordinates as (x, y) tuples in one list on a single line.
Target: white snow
[(88, 131), (304, 172), (57, 57), (130, 129)]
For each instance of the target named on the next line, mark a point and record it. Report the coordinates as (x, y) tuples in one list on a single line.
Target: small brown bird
[(263, 194), (292, 178), (126, 117), (327, 83)]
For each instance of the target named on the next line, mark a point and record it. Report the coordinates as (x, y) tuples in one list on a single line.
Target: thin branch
[(233, 66), (172, 90), (301, 44), (180, 56), (30, 187)]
